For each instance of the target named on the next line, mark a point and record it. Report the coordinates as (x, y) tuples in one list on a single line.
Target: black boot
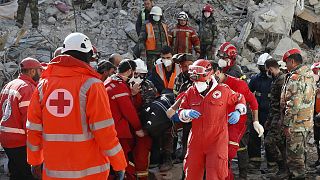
[(167, 163), (283, 172)]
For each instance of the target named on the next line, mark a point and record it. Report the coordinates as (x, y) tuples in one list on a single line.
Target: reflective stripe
[(24, 104), (67, 137), (119, 95), (32, 147), (12, 130), (142, 173), (242, 149), (112, 85), (184, 30), (77, 174), (40, 85), (11, 92), (187, 43), (114, 150), (33, 126), (101, 124), (233, 143)]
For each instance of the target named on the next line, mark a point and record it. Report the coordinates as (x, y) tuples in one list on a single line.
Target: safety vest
[(162, 73), (151, 39)]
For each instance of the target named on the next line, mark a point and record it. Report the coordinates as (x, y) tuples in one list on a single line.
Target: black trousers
[(18, 167)]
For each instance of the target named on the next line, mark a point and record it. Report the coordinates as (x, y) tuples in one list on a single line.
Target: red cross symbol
[(60, 102)]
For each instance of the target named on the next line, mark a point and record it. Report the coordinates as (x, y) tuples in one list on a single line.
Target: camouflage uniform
[(33, 4), (208, 37), (297, 106), (275, 139), (161, 41)]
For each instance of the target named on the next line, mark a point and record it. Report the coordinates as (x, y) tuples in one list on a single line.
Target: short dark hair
[(125, 65), (271, 63), (297, 58), (25, 71), (104, 65), (166, 50)]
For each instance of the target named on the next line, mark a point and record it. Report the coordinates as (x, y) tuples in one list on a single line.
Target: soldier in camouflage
[(22, 6), (297, 106), (207, 33), (275, 139)]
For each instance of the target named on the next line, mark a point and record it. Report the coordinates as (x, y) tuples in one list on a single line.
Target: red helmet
[(315, 67), (30, 63), (207, 8), (227, 50), (200, 70), (289, 53), (96, 54)]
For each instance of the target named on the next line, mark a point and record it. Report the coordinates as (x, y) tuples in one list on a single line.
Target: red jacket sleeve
[(23, 103), (124, 100), (238, 100), (248, 95), (195, 41)]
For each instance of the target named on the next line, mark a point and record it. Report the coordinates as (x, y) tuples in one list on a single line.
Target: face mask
[(166, 62), (206, 14), (156, 18), (222, 63), (201, 86), (135, 80), (269, 74)]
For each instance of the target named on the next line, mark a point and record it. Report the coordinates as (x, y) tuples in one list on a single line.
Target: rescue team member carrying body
[(66, 133), (208, 139), (14, 100)]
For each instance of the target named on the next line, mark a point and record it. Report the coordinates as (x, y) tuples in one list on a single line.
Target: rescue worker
[(182, 37), (227, 55), (208, 33), (14, 101), (316, 128), (115, 59), (208, 141), (297, 106), (164, 74), (275, 139), (135, 143), (238, 140), (22, 6), (105, 68), (260, 85), (153, 37), (63, 120), (147, 91), (144, 15)]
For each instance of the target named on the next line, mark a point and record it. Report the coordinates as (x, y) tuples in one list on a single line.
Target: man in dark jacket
[(144, 15)]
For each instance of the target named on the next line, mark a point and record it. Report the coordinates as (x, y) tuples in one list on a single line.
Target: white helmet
[(141, 66), (77, 42), (156, 10), (262, 58), (282, 65), (183, 16)]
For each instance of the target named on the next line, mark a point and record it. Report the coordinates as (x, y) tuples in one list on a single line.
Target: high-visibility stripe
[(33, 126), (187, 43), (142, 173), (32, 147), (233, 143), (77, 174), (242, 149), (184, 30), (114, 150), (161, 73), (119, 95), (67, 137), (12, 92), (24, 104), (12, 130), (40, 85), (101, 124)]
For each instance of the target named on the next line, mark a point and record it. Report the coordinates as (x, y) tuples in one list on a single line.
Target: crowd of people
[(120, 117)]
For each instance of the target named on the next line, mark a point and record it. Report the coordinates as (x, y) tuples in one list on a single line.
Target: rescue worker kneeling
[(66, 133), (206, 104)]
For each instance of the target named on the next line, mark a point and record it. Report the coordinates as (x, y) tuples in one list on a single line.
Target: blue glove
[(120, 175), (190, 113), (234, 117), (175, 118)]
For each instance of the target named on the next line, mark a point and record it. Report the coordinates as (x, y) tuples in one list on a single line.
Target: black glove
[(37, 171)]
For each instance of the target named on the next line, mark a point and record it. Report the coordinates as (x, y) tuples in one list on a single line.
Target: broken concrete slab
[(52, 10), (255, 44), (297, 37), (131, 31), (284, 45), (313, 2), (51, 20), (86, 17)]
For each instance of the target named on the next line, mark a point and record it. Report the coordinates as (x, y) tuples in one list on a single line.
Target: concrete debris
[(63, 7), (313, 2), (51, 10), (284, 45), (8, 9), (255, 44), (271, 45), (51, 20), (131, 31), (86, 17), (297, 37)]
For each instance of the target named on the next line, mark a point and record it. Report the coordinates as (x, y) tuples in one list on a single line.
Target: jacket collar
[(27, 78)]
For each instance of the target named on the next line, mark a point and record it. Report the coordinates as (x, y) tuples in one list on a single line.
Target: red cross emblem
[(216, 94), (60, 102)]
